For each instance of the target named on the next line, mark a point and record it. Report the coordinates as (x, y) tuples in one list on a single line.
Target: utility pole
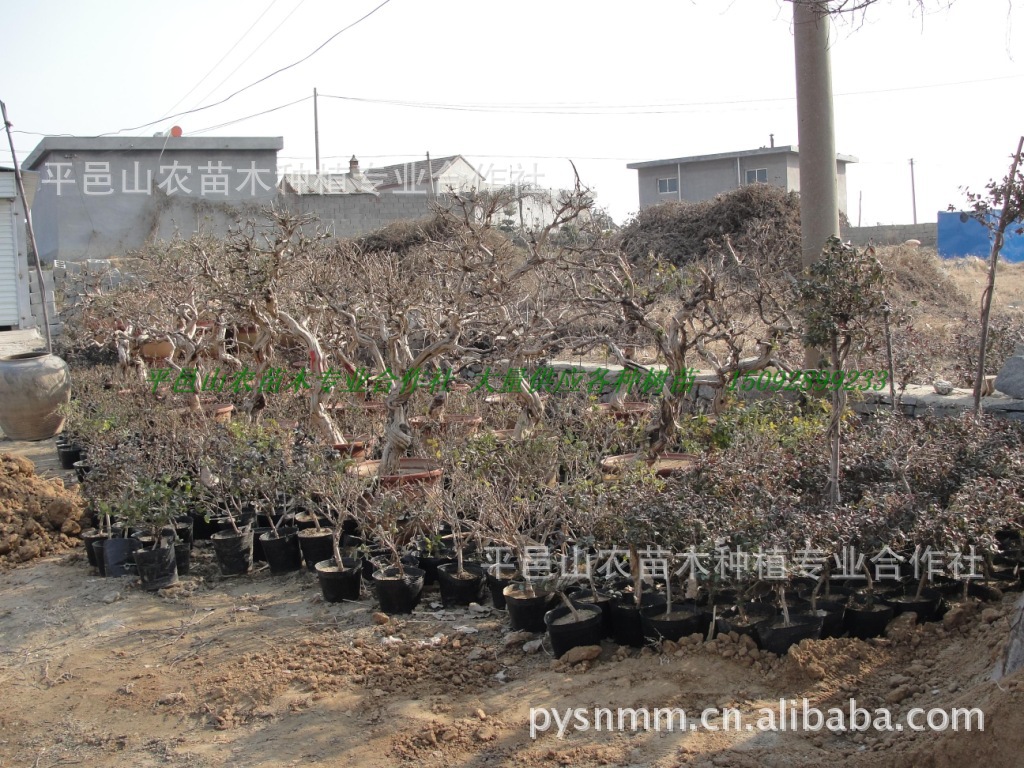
[(860, 205), (316, 133), (819, 198), (913, 190)]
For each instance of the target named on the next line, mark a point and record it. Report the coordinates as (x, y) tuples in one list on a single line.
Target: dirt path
[(257, 671)]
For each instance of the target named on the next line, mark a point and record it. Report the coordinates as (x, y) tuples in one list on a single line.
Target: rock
[(533, 646), (902, 626), (380, 618), (942, 387), (481, 714), (169, 699), (477, 608), (990, 615), (581, 653), (515, 638), (485, 734), (896, 695), (955, 617), (111, 597), (476, 654), (1010, 380)]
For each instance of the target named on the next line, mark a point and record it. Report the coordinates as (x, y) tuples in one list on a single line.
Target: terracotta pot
[(354, 446), (33, 386), (630, 410), (412, 471), (247, 335), (153, 351), (456, 423), (664, 465), (219, 411)]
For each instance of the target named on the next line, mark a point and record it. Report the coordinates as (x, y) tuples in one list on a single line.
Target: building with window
[(701, 177)]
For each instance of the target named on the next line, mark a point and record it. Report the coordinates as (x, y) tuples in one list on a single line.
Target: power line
[(257, 82), (251, 53), (249, 117), (221, 60), (569, 108)]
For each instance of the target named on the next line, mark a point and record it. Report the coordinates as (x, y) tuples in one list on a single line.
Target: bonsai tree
[(722, 310), (842, 301)]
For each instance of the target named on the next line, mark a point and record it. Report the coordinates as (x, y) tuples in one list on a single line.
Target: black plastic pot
[(526, 608), (566, 635), (282, 553), (82, 469), (729, 619), (864, 622), (257, 545), (339, 584), (116, 555), (497, 579), (925, 606), (459, 591), (157, 567), (398, 595), (88, 537), (774, 636), (685, 619), (317, 545), (97, 546), (602, 601), (182, 529), (627, 625), (831, 613), (68, 455), (430, 564), (233, 551), (183, 557), (202, 529)]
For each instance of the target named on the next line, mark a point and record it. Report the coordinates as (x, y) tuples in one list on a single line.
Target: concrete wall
[(98, 198), (892, 234), (647, 179), (351, 215)]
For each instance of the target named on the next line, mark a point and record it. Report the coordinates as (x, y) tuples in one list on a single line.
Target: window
[(665, 186), (759, 176)]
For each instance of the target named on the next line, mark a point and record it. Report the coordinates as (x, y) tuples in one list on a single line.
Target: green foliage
[(841, 293)]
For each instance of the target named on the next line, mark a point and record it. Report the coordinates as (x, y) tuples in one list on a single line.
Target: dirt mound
[(403, 236), (37, 516), (757, 215), (918, 274)]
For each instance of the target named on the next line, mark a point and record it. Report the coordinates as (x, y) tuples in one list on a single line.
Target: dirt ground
[(258, 671)]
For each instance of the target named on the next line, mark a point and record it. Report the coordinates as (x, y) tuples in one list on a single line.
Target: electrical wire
[(569, 108), (249, 117), (251, 54), (221, 59), (263, 79)]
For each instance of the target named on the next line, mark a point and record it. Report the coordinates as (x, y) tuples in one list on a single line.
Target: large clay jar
[(33, 386)]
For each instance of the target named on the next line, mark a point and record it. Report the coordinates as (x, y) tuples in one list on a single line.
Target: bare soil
[(258, 671)]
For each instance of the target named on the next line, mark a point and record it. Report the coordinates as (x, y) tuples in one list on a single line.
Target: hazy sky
[(527, 84)]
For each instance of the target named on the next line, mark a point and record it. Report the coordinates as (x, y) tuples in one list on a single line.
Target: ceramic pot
[(33, 386)]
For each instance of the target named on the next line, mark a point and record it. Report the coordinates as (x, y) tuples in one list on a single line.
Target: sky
[(521, 88)]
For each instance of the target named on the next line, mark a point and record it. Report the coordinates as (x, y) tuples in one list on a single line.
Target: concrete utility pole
[(316, 133), (913, 190), (819, 197)]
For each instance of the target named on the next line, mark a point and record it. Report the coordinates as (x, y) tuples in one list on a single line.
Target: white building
[(15, 304)]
